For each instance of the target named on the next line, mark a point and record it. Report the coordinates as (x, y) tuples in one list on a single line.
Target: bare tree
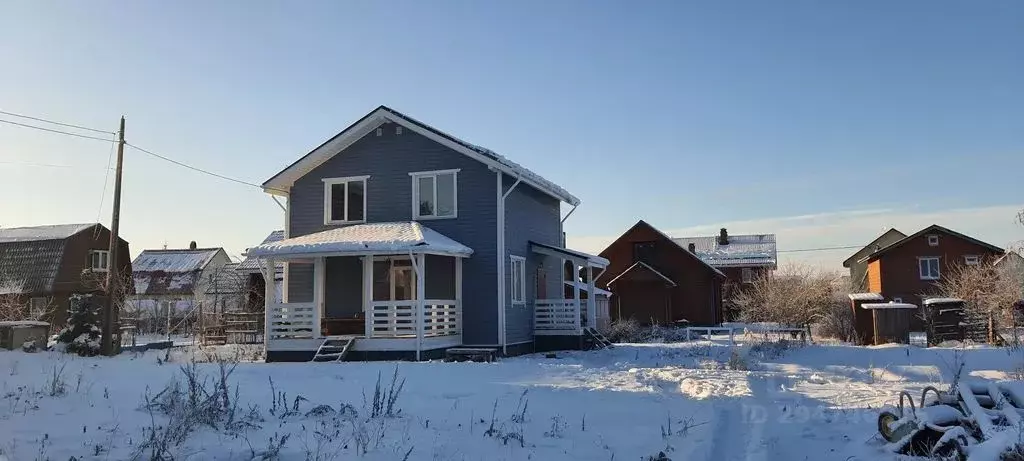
[(988, 289), (796, 295)]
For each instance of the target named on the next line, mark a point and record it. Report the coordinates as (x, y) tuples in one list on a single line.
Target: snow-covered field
[(692, 401)]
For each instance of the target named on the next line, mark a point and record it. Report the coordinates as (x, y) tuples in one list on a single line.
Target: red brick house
[(907, 270), (655, 280), (742, 258)]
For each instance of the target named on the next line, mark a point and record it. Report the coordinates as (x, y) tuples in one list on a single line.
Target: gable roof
[(929, 229), (30, 257), (742, 250), (666, 237), (891, 231), (177, 271), (281, 183)]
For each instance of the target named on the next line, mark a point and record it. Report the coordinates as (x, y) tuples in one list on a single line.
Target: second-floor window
[(435, 194), (99, 260), (929, 268), (345, 200)]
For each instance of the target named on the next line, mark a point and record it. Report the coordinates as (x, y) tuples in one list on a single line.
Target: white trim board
[(282, 182)]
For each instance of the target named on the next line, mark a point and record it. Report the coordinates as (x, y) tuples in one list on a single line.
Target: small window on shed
[(933, 240), (643, 251), (972, 260)]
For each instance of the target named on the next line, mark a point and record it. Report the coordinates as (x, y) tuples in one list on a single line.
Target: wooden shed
[(14, 334), (891, 321), (863, 322), (944, 320)]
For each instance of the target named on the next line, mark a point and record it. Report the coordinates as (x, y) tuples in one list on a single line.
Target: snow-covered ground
[(692, 401)]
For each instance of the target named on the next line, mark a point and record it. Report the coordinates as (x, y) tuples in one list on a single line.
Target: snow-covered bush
[(796, 295), (836, 323), (624, 331), (82, 334)]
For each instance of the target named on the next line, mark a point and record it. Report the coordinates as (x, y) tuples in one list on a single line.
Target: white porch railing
[(397, 319), (556, 314), (291, 321)]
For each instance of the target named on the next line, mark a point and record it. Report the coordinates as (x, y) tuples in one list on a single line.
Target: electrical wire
[(800, 250), (193, 168), (69, 125), (55, 131)]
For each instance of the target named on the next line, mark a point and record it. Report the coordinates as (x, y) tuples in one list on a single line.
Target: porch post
[(591, 298), (368, 294), (458, 297), (421, 274), (576, 295), (269, 298), (319, 277)]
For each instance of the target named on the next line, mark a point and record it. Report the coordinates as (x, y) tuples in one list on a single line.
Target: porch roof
[(573, 255), (361, 239)]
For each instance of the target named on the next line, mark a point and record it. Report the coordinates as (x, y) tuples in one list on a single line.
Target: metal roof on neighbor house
[(252, 264), (742, 250), (30, 257), (157, 272)]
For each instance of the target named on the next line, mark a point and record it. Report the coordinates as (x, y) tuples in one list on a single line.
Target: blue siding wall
[(389, 159), (530, 215)]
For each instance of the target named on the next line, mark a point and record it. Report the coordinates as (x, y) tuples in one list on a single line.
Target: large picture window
[(345, 200), (435, 194)]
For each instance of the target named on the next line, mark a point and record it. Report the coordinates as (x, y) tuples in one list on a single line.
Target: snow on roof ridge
[(44, 232)]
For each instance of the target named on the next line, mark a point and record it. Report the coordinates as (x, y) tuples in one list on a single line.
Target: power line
[(69, 125), (800, 250), (41, 165), (193, 168), (55, 131)]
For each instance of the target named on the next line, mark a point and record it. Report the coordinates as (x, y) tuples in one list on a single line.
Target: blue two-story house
[(411, 241)]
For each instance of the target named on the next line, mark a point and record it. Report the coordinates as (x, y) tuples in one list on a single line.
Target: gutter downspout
[(502, 256)]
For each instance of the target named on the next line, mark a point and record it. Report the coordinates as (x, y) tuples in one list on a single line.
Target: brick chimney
[(192, 244), (723, 237)]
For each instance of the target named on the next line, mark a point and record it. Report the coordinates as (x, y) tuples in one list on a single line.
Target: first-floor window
[(971, 260), (37, 307), (929, 268), (747, 274), (99, 260), (345, 200), (518, 277)]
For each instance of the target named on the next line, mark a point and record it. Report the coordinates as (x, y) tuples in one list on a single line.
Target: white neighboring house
[(176, 282)]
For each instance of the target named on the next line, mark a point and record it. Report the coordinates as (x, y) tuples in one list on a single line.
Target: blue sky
[(834, 118)]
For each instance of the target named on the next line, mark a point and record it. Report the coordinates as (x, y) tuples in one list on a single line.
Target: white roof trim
[(282, 182), (889, 305), (643, 264), (865, 296), (586, 287)]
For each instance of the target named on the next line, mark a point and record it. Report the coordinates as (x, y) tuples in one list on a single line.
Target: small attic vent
[(380, 131), (398, 129)]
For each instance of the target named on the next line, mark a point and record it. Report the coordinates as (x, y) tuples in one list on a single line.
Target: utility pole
[(112, 266)]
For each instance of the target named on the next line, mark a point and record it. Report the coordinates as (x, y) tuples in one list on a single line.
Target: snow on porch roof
[(889, 305), (380, 238)]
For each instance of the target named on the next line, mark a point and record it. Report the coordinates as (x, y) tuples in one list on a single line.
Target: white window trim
[(101, 252), (328, 182), (416, 193), (933, 238), (938, 266), (972, 260), (41, 311), (522, 278)]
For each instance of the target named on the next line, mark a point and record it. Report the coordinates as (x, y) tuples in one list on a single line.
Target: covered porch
[(571, 314), (396, 288)]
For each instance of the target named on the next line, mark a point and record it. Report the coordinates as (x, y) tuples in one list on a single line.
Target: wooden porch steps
[(598, 340), (474, 354), (333, 349)]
